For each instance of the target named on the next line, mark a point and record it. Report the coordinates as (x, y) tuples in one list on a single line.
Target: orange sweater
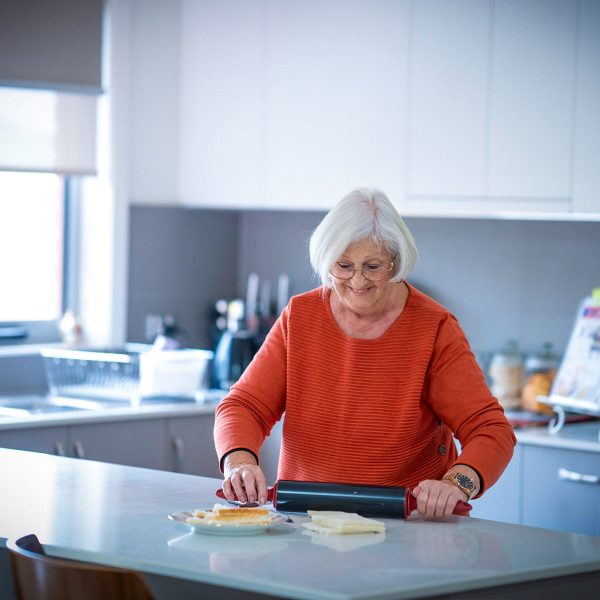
[(378, 412)]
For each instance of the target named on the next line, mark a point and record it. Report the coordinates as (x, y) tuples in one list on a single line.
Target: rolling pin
[(366, 500)]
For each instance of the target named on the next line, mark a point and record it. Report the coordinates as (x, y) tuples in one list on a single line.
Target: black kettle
[(233, 354)]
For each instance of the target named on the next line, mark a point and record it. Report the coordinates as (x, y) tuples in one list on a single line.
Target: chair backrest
[(38, 575)]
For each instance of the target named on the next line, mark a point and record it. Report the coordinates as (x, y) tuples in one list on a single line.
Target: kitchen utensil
[(283, 292), (252, 303), (366, 500)]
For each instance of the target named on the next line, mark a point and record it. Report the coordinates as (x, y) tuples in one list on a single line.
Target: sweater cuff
[(222, 461)]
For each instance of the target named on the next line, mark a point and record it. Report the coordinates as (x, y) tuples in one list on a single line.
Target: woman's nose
[(360, 274)]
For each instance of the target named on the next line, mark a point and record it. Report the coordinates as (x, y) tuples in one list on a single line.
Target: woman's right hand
[(244, 479)]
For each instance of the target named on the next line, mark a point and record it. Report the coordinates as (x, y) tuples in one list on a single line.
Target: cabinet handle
[(566, 475), (178, 446), (59, 449), (78, 449)]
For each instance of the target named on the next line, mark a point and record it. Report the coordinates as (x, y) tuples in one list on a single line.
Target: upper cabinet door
[(222, 102), (491, 109), (335, 97), (586, 160), (448, 93), (531, 100)]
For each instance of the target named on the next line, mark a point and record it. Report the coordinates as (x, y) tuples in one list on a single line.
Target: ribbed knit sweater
[(373, 411)]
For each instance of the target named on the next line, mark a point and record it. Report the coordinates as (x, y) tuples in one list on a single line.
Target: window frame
[(24, 333)]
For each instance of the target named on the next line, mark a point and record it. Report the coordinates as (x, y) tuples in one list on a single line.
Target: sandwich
[(224, 515), (340, 523)]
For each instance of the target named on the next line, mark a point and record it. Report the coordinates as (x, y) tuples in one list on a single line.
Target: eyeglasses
[(370, 271)]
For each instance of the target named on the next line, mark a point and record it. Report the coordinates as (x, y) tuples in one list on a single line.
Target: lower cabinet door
[(50, 440), (137, 443), (561, 489), (192, 446), (502, 502)]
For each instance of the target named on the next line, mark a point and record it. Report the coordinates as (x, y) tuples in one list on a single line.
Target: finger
[(238, 487), (261, 486), (228, 490), (249, 485), (432, 504), (422, 501), (441, 509)]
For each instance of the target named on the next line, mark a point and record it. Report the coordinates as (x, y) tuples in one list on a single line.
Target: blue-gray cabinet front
[(561, 489)]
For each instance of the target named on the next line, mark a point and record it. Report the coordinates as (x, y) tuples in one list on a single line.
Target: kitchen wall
[(502, 279), (181, 261)]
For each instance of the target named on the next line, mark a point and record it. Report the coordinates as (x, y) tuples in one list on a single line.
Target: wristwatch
[(462, 482)]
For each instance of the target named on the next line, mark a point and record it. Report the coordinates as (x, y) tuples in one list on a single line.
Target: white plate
[(211, 529)]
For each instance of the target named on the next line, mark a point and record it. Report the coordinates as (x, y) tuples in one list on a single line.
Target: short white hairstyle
[(364, 214)]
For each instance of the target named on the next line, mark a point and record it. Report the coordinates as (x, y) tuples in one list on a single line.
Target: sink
[(39, 404), (35, 405)]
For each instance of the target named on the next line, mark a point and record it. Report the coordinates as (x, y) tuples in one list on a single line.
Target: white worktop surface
[(579, 436), (122, 411), (118, 516)]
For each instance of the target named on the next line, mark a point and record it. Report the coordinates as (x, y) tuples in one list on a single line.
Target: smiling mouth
[(360, 292)]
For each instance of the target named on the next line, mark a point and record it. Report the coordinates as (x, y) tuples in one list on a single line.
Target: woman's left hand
[(437, 499)]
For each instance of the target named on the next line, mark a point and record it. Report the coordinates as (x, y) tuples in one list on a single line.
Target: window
[(32, 255)]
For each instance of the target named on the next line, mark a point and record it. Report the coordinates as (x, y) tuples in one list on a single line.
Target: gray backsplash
[(502, 279)]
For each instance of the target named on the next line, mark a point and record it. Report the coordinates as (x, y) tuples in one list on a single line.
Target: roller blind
[(51, 44), (47, 131)]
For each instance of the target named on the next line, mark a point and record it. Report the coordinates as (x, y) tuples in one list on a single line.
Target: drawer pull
[(566, 475), (179, 448), (78, 449)]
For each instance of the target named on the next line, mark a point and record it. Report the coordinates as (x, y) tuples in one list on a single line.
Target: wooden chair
[(38, 576)]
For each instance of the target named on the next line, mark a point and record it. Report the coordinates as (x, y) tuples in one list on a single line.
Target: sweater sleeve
[(256, 402), (456, 390)]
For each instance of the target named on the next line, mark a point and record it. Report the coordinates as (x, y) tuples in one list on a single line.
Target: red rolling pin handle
[(461, 509)]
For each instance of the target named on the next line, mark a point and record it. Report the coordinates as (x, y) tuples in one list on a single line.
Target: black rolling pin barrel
[(369, 501)]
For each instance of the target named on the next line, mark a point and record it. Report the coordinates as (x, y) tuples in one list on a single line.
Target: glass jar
[(540, 370), (507, 375)]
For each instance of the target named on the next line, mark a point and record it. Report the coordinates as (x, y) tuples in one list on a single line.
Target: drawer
[(553, 498)]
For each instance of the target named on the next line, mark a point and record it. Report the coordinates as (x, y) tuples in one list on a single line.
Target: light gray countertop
[(121, 411), (117, 515), (579, 436)]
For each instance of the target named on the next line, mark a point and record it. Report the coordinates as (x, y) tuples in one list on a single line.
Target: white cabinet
[(586, 156), (49, 440), (291, 104), (491, 106), (222, 102), (560, 490), (503, 501), (139, 443), (191, 446), (449, 83), (334, 97), (470, 107), (531, 99)]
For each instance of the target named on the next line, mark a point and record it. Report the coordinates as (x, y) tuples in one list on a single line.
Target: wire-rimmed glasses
[(371, 271)]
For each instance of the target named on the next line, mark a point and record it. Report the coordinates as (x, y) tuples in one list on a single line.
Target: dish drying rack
[(106, 373)]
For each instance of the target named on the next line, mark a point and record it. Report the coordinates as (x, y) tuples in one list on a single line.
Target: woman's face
[(358, 293)]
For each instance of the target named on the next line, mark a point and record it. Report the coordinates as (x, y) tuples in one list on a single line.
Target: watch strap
[(462, 481)]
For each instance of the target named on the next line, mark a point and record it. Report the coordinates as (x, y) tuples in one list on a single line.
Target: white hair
[(364, 214)]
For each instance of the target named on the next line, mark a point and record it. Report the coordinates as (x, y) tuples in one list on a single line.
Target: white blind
[(51, 44), (42, 130)]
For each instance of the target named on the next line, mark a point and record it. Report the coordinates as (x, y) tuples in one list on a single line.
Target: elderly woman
[(374, 377)]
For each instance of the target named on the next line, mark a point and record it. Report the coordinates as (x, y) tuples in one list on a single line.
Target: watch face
[(465, 481)]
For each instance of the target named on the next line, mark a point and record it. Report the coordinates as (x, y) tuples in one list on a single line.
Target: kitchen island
[(117, 515)]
